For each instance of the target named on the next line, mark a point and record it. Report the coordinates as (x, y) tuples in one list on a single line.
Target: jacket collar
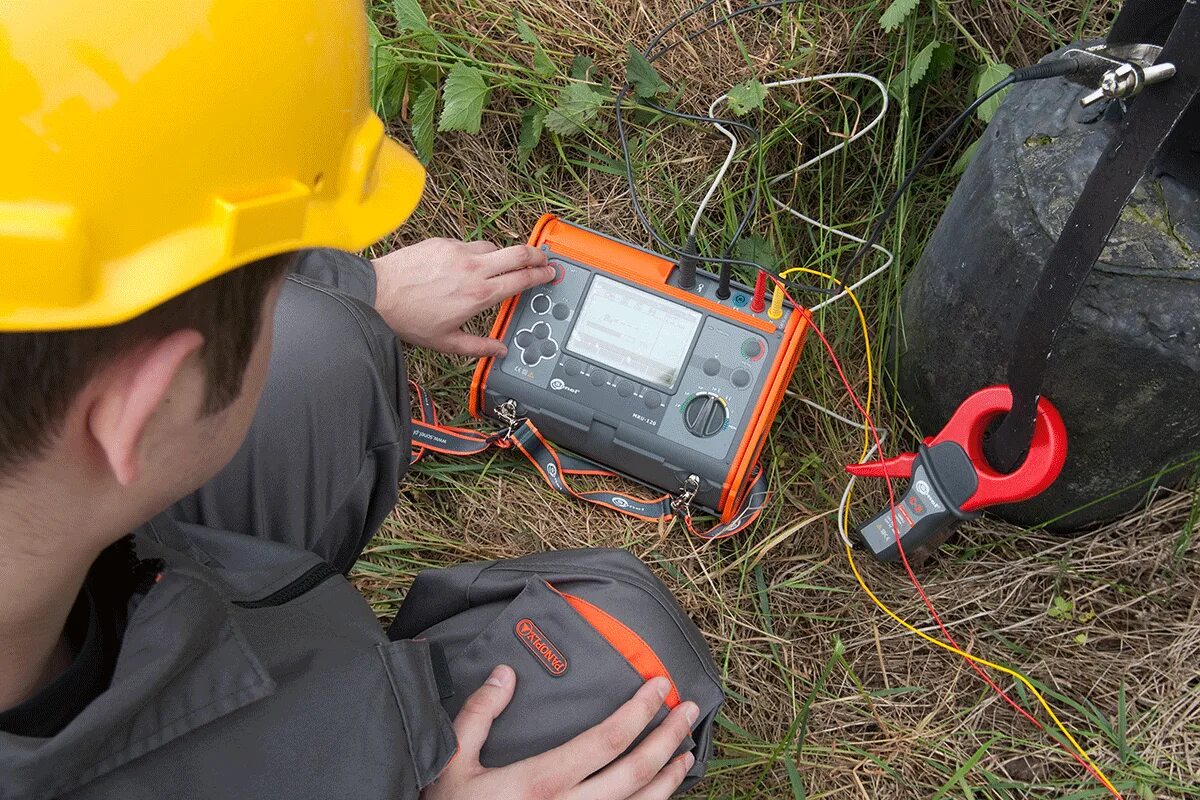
[(183, 663)]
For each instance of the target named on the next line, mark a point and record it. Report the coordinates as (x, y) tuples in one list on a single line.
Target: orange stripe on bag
[(640, 656)]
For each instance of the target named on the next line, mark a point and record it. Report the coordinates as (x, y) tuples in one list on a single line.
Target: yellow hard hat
[(150, 145)]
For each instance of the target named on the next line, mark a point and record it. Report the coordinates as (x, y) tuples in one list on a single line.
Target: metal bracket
[(1116, 72)]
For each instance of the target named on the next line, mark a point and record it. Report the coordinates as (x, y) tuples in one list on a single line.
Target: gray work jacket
[(251, 669)]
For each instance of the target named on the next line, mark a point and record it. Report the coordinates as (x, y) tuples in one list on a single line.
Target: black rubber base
[(1126, 369)]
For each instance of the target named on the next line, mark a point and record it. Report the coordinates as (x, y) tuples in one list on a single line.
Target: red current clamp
[(952, 479)]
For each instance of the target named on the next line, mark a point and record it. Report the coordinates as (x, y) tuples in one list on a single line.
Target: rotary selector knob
[(705, 415)]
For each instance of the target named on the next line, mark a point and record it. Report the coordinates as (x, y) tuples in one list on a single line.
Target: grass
[(827, 698)]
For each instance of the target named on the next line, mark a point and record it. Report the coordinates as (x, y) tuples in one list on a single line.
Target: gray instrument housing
[(616, 419)]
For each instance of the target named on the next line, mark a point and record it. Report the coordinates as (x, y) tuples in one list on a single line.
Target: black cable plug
[(688, 263), (1045, 69), (723, 282)]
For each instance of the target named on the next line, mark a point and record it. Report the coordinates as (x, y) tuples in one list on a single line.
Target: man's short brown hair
[(42, 373)]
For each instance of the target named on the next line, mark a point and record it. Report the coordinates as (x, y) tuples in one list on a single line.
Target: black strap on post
[(1138, 142)]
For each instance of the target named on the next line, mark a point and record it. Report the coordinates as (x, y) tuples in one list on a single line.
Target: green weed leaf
[(389, 77), (941, 61), (757, 249), (464, 96), (578, 104), (642, 74), (896, 13), (410, 17), (542, 64), (964, 161), (988, 77), (746, 97), (1060, 608), (581, 68), (421, 115), (916, 69), (533, 120)]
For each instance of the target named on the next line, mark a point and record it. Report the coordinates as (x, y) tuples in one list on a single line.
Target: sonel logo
[(546, 654)]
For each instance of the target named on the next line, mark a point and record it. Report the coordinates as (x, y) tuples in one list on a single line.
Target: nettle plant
[(438, 79), (441, 80)]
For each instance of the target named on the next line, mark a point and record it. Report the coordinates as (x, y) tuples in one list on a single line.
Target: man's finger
[(474, 721), (667, 780), (601, 744), (517, 281), (461, 343), (480, 247), (646, 762), (517, 257)]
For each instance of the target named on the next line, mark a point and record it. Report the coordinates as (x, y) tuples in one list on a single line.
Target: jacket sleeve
[(346, 272)]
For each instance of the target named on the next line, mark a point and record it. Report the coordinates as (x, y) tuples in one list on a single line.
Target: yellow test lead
[(776, 309)]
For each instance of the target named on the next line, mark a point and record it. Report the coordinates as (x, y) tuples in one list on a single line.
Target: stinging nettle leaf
[(919, 65), (410, 17), (747, 96), (542, 64), (578, 104), (941, 62), (989, 76), (757, 249), (896, 13), (962, 162), (422, 114), (533, 120), (463, 97), (581, 68), (643, 76)]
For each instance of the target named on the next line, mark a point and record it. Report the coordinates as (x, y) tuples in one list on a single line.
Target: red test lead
[(759, 303)]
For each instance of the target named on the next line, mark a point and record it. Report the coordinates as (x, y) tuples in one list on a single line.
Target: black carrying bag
[(583, 629)]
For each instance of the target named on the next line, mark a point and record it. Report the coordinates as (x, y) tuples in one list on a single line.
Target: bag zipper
[(313, 577)]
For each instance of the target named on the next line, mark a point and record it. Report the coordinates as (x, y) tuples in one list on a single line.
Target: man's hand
[(425, 292), (569, 772)]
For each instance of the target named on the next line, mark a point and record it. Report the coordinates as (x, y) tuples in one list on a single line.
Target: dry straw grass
[(828, 698)]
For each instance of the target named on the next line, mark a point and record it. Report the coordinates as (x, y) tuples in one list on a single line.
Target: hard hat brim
[(380, 189)]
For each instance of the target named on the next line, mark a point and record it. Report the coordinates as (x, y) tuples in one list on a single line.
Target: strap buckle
[(507, 413), (681, 503)]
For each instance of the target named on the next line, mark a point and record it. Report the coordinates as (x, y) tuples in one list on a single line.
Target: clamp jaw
[(952, 479), (1116, 72)]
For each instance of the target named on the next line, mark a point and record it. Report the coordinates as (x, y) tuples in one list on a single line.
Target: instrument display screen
[(636, 332)]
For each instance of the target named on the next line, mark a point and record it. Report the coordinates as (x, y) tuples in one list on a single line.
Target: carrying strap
[(556, 467), (1141, 137)]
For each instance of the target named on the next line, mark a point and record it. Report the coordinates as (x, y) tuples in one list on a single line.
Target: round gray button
[(549, 348), (740, 378), (572, 366), (523, 339), (561, 311), (599, 377), (541, 330), (530, 357), (625, 388), (652, 399), (540, 303), (712, 366)]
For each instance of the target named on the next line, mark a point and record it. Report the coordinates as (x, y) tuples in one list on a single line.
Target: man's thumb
[(474, 721)]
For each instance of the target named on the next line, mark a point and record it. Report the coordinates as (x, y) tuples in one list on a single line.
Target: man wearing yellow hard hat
[(181, 182)]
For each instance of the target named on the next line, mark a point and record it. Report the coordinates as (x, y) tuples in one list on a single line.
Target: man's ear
[(125, 405)]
